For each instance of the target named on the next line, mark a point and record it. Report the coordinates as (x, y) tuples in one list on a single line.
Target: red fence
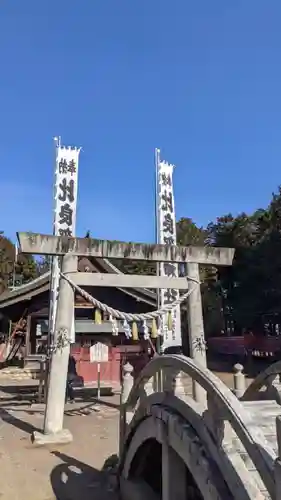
[(258, 345), (227, 345)]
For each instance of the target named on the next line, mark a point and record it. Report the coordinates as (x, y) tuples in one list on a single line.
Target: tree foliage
[(7, 258), (14, 269), (251, 288), (44, 264), (189, 234)]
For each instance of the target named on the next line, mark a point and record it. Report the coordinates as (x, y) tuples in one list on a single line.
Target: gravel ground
[(69, 472)]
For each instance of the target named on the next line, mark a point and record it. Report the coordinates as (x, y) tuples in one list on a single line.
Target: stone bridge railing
[(221, 411), (266, 385)]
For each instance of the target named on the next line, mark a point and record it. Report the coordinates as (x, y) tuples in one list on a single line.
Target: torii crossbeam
[(60, 245)]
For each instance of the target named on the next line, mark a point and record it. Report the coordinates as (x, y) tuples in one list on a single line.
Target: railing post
[(220, 428), (167, 377), (196, 327), (150, 386), (42, 380), (172, 381), (239, 380), (277, 465), (127, 384)]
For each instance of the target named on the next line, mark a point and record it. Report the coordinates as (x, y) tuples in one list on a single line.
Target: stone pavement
[(70, 472)]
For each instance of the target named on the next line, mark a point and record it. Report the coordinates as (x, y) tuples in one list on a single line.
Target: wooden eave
[(42, 284)]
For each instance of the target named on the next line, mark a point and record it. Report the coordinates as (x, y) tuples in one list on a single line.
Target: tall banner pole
[(54, 281), (166, 234), (156, 164), (64, 222)]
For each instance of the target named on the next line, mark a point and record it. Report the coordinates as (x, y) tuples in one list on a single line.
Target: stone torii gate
[(72, 248)]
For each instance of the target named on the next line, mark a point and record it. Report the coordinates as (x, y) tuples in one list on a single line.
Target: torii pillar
[(196, 326)]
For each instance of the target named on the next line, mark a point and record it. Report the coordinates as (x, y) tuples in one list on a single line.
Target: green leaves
[(252, 286), (14, 273), (189, 234), (7, 257)]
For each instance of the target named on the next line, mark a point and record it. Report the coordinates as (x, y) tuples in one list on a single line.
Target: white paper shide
[(65, 206), (166, 224)]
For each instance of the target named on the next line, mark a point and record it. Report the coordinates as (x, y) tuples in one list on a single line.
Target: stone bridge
[(220, 447)]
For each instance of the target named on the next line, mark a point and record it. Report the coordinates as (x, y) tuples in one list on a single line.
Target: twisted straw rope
[(129, 316)]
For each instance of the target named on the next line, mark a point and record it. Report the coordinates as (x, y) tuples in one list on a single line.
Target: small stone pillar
[(127, 384), (239, 380), (173, 382), (196, 328), (168, 380), (178, 385)]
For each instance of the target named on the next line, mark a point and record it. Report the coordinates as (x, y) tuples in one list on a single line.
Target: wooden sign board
[(99, 353)]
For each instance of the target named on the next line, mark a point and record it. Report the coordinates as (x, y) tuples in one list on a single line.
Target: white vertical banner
[(166, 234), (65, 206)]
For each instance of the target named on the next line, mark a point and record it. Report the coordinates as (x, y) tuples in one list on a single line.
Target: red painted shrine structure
[(30, 302)]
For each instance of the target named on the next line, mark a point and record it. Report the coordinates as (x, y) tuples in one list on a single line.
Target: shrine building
[(29, 304)]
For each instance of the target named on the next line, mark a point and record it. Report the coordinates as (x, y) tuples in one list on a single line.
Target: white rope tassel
[(145, 330), (174, 320), (115, 329), (127, 329), (165, 328), (161, 327)]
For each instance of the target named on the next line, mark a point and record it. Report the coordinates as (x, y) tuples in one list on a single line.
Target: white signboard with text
[(166, 223), (99, 353), (65, 194)]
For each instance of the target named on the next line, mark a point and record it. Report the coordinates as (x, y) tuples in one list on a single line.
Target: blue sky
[(199, 79)]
